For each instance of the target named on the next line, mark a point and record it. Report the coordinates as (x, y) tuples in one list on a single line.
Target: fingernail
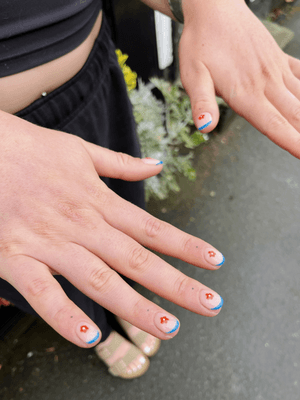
[(151, 161), (211, 300), (166, 323), (87, 333), (214, 257), (205, 119)]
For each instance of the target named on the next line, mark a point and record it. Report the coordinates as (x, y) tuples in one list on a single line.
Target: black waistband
[(44, 36), (78, 90)]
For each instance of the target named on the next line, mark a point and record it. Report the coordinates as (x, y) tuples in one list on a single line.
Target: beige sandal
[(119, 367), (140, 338)]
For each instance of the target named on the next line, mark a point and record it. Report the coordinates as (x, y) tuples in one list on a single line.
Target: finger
[(199, 85), (33, 280), (293, 85), (121, 166), (268, 120), (294, 64), (159, 235), (129, 258), (286, 103), (105, 286)]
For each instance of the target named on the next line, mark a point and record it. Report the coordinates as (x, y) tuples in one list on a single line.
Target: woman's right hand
[(58, 217)]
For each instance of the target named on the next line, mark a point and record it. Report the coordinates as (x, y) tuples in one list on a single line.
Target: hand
[(226, 50), (58, 217)]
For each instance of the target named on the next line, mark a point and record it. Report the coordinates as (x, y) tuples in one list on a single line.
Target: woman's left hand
[(226, 50)]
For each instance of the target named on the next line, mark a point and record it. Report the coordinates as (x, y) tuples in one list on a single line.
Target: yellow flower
[(129, 75)]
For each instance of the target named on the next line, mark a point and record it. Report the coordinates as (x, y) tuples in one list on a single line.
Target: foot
[(115, 348), (147, 343)]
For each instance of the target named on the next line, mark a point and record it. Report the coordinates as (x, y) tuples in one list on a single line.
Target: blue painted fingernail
[(211, 300), (222, 262), (214, 257), (205, 120), (166, 323), (87, 333), (219, 305), (151, 161)]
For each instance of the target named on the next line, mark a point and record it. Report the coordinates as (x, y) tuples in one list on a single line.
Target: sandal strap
[(140, 338), (107, 351), (119, 367)]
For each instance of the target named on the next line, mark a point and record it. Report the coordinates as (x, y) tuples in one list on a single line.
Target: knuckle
[(138, 258), (124, 161), (153, 227), (72, 211), (101, 279), (266, 71), (188, 245), (98, 192), (276, 121), (138, 307), (180, 287), (8, 249), (61, 313), (296, 114), (39, 287)]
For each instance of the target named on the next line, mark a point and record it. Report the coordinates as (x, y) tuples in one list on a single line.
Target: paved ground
[(246, 203)]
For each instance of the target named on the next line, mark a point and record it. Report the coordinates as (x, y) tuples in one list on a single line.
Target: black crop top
[(34, 32)]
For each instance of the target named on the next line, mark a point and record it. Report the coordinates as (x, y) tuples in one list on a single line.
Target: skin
[(226, 50), (47, 228), (58, 217)]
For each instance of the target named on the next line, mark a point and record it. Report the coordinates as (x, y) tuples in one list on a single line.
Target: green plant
[(166, 130)]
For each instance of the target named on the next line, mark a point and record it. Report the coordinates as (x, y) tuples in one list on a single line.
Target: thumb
[(116, 165), (198, 83)]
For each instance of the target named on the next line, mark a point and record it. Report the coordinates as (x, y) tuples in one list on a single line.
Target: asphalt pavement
[(245, 202)]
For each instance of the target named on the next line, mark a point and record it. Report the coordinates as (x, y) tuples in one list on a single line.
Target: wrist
[(194, 9)]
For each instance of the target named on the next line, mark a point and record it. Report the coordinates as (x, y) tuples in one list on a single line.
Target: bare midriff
[(20, 90)]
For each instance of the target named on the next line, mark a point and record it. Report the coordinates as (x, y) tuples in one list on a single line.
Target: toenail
[(143, 360), (147, 349)]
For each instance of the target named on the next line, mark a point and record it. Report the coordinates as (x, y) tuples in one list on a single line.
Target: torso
[(20, 90)]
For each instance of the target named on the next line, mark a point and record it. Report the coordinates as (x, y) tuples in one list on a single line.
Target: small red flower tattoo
[(209, 296), (201, 117), (212, 254), (164, 320), (83, 328)]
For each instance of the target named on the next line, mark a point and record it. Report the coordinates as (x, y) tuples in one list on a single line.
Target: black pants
[(94, 106)]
